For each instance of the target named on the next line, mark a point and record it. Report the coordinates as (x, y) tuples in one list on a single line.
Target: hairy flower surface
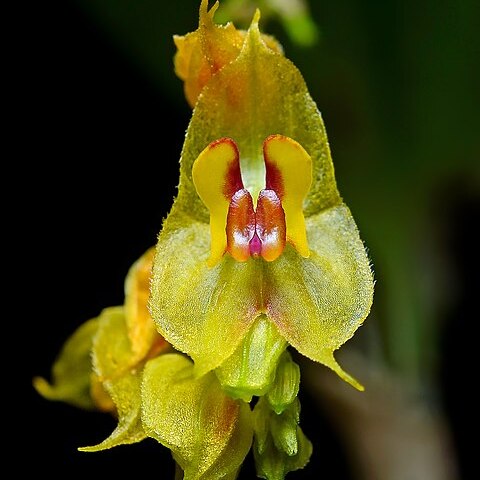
[(119, 363), (258, 227), (258, 253)]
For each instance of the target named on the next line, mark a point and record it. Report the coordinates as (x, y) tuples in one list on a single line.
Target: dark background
[(106, 137)]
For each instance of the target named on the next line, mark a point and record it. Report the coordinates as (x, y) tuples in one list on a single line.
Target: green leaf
[(301, 29), (286, 385), (208, 432), (251, 369), (72, 370), (293, 15), (112, 357)]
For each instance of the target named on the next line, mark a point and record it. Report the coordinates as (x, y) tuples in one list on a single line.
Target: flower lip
[(236, 226), (270, 225), (260, 232)]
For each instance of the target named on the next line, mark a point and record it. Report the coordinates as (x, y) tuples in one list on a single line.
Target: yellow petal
[(258, 94), (140, 325), (103, 401), (216, 175), (289, 173)]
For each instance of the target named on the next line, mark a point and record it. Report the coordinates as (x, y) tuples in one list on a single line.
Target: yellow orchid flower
[(258, 229), (258, 252)]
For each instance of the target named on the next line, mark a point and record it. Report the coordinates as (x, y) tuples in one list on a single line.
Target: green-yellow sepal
[(112, 356), (72, 370), (208, 432)]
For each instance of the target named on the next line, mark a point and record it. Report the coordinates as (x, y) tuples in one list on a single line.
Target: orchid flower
[(258, 253), (258, 231)]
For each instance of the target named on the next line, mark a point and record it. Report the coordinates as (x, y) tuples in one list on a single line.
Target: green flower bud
[(284, 428), (251, 369), (286, 385), (280, 445)]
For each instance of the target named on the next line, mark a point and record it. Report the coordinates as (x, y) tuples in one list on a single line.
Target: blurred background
[(397, 83)]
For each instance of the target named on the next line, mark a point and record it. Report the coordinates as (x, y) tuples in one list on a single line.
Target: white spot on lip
[(253, 175)]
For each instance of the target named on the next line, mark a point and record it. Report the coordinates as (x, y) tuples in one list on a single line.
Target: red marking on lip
[(233, 178), (255, 233), (240, 226), (270, 225)]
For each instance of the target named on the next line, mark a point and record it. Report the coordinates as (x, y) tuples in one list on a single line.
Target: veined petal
[(204, 312), (317, 303), (289, 173), (216, 175)]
